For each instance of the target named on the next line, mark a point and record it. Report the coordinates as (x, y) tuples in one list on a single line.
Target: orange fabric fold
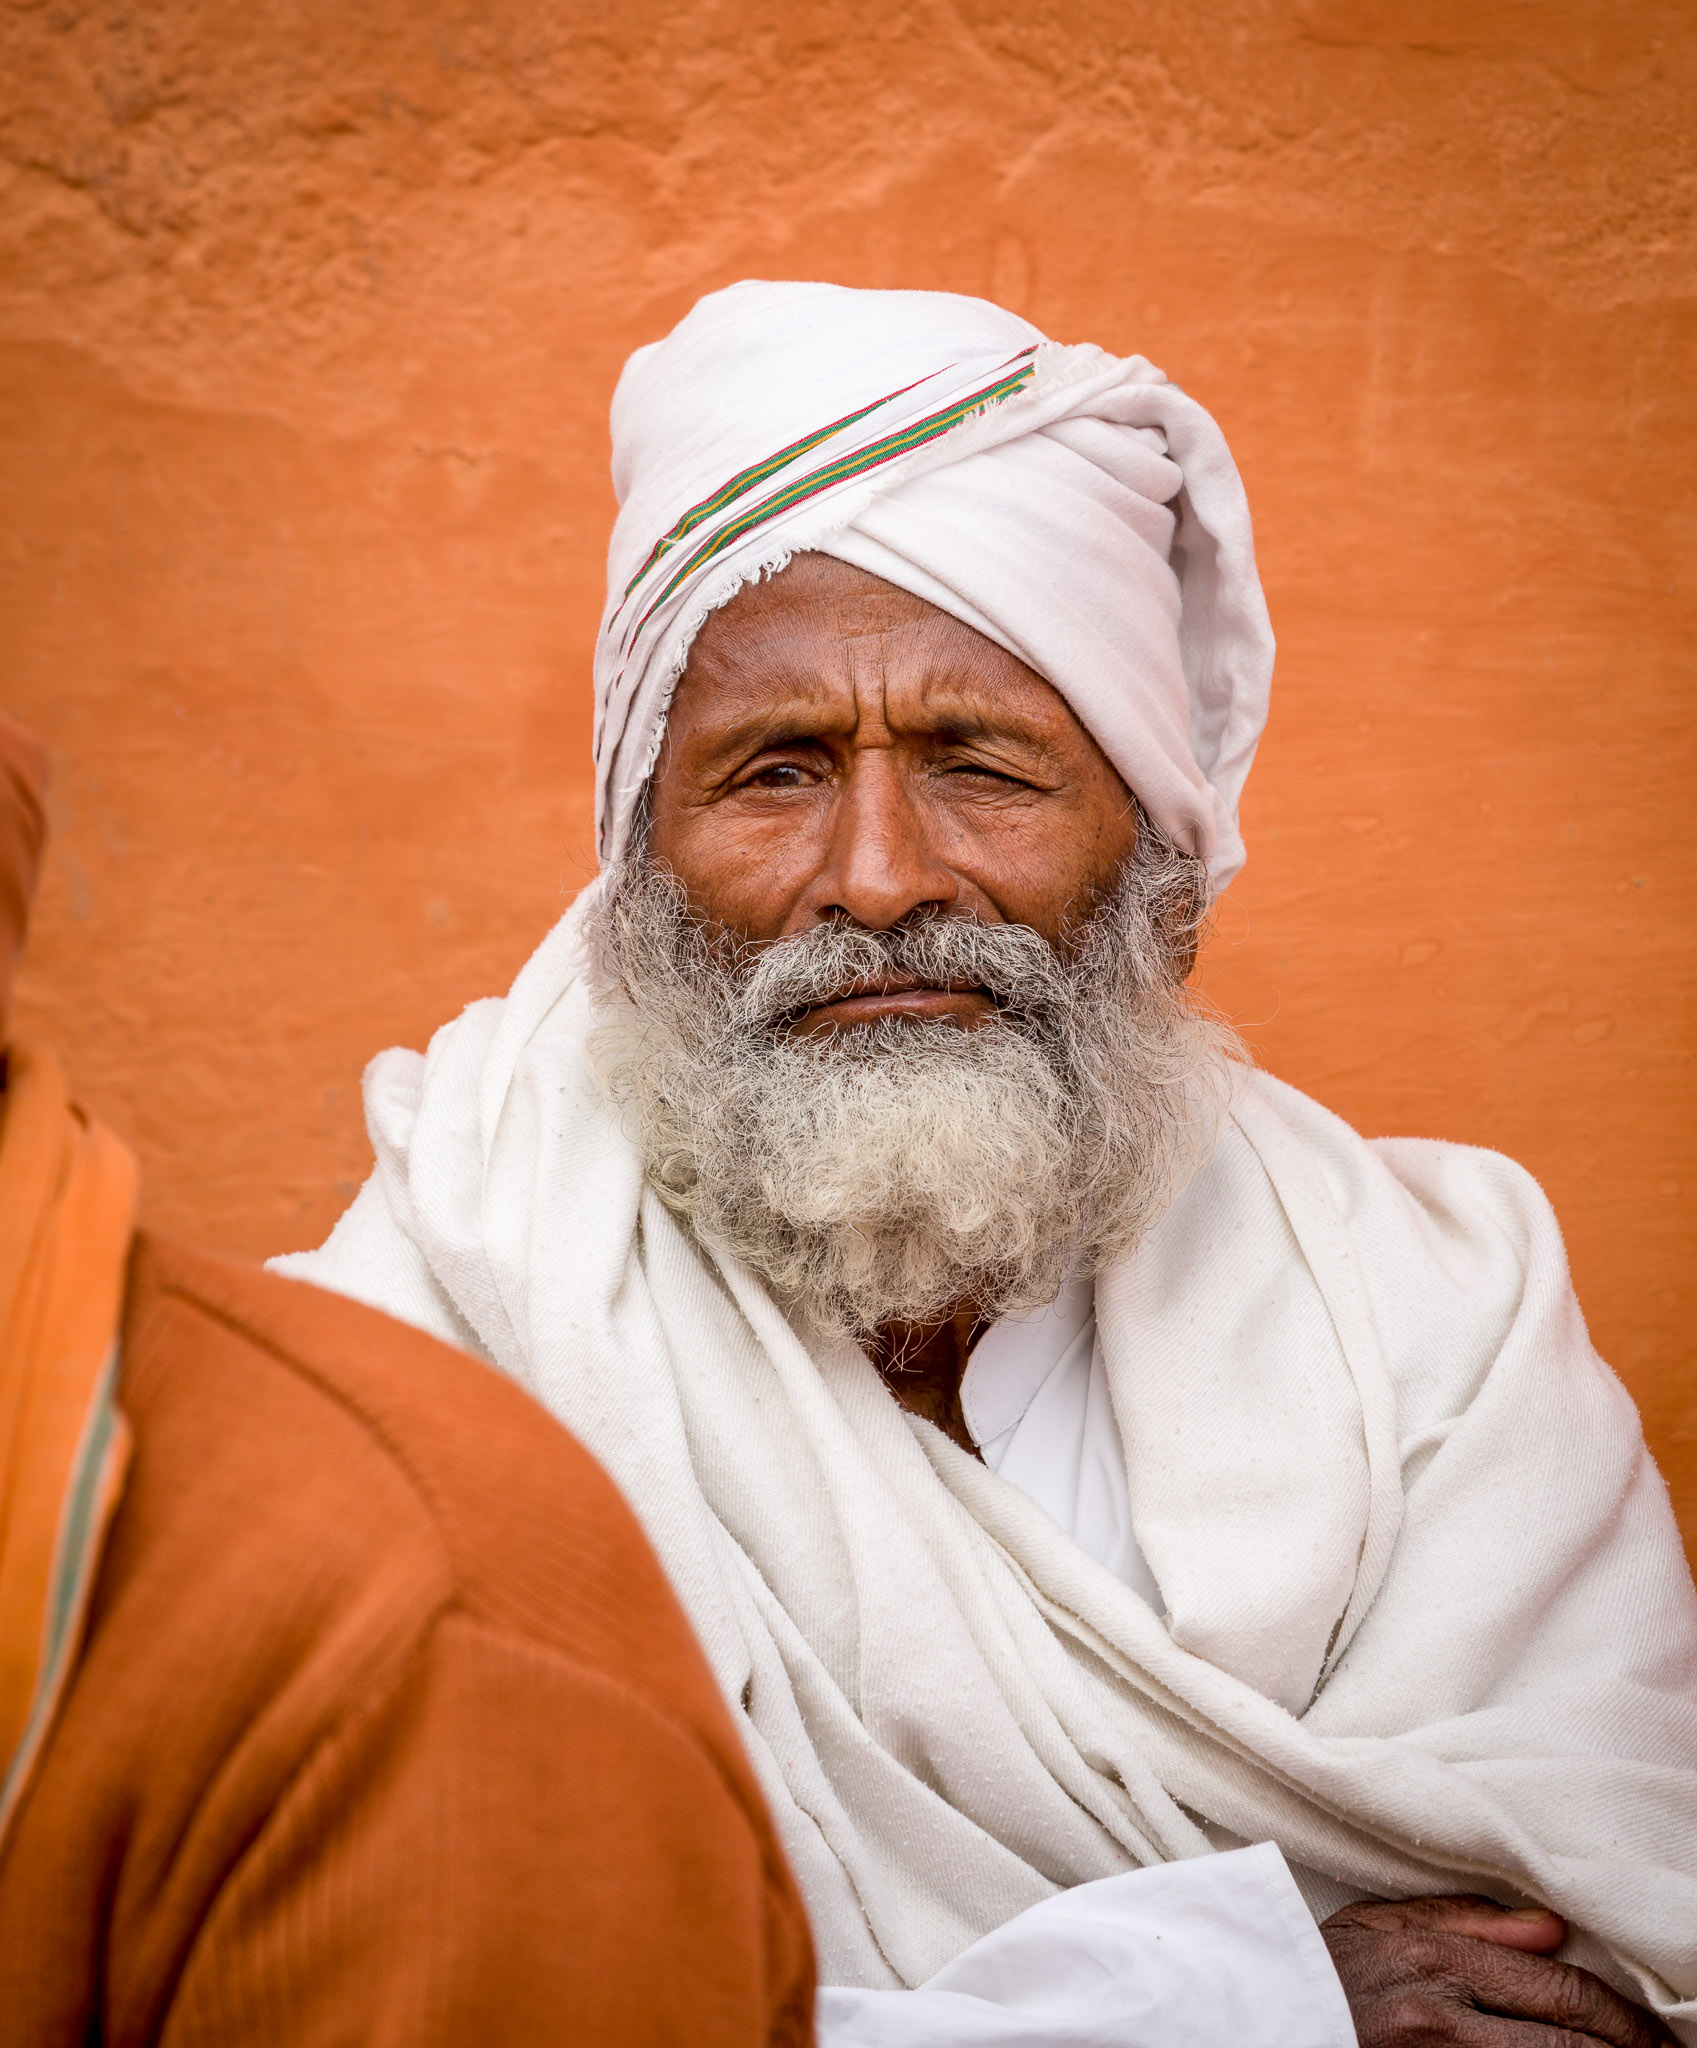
[(23, 835), (67, 1214)]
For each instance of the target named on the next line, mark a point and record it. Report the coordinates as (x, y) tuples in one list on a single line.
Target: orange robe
[(67, 1210), (387, 1728)]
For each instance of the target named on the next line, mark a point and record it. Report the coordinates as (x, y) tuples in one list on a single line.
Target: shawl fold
[(67, 1214)]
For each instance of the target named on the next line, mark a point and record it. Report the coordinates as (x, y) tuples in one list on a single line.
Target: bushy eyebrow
[(799, 723), (967, 728), (791, 725)]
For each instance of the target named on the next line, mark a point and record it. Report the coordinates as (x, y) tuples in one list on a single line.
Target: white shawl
[(1429, 1625)]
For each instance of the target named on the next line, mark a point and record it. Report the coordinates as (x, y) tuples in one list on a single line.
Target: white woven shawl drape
[(1370, 1450)]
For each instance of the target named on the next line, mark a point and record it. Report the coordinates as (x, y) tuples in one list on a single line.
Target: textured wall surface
[(309, 318)]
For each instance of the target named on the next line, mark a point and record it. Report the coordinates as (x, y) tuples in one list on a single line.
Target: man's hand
[(1464, 1973)]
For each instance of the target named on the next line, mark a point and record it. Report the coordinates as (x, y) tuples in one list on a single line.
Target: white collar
[(1016, 1355)]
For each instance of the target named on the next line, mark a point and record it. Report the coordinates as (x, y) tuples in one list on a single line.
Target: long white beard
[(889, 1172)]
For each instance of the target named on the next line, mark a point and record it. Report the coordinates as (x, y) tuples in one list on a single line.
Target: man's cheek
[(750, 881)]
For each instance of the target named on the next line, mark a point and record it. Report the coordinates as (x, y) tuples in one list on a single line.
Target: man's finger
[(1491, 2030), (1532, 1928), (1537, 1988), (1510, 1985), (1423, 1982)]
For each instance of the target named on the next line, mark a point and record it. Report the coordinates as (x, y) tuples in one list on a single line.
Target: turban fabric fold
[(1073, 506)]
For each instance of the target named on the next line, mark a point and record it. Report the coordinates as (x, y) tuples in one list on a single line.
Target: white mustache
[(1016, 967)]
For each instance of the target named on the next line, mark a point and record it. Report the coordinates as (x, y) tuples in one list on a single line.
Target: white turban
[(1073, 506)]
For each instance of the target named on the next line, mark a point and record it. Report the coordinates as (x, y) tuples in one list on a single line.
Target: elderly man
[(1182, 1574)]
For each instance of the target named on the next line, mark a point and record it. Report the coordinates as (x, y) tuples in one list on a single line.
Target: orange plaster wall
[(309, 317)]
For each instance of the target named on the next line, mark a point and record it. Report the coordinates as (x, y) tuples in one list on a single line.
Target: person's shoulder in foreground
[(387, 1726)]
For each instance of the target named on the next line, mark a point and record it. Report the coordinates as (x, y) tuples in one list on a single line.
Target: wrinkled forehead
[(809, 647)]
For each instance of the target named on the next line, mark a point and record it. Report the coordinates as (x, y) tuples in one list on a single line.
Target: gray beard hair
[(890, 1171)]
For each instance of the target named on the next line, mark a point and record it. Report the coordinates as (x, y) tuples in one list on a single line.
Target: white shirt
[(1216, 1953), (1035, 1396)]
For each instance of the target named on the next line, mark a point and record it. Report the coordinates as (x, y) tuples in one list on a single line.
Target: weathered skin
[(839, 748)]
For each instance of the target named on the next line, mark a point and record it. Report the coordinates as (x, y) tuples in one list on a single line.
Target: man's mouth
[(870, 1000)]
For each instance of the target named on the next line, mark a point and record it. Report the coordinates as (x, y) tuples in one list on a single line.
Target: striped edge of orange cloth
[(67, 1214)]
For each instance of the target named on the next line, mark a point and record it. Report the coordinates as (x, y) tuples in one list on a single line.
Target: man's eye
[(778, 775)]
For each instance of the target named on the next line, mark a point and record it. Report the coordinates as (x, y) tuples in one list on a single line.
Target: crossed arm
[(1464, 1973)]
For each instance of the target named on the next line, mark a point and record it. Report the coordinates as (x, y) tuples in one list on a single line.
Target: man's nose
[(882, 859)]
